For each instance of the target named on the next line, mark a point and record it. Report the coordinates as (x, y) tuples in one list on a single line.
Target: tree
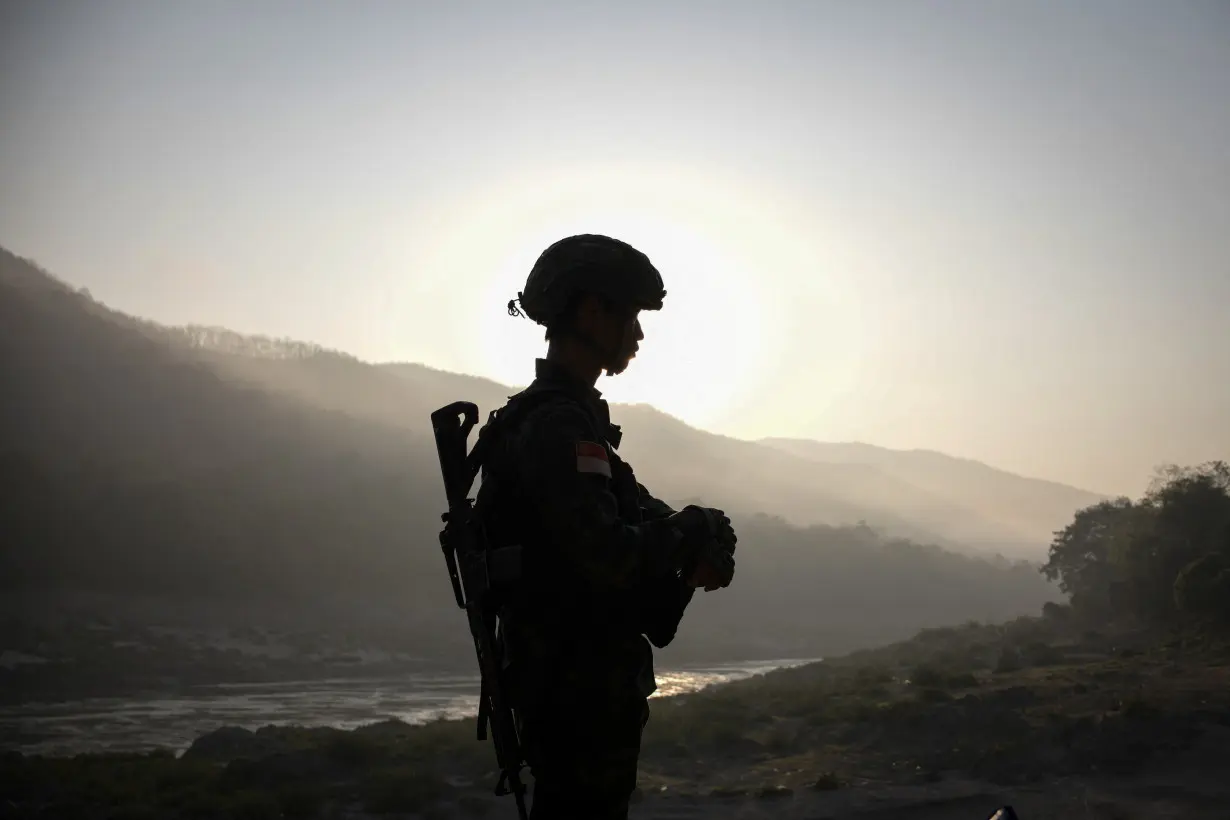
[(1087, 557), (1202, 589), (1152, 559)]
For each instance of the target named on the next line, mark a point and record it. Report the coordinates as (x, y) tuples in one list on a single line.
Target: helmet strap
[(604, 353)]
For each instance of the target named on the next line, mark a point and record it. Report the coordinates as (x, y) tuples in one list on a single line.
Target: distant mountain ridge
[(780, 477), (1033, 507), (920, 494), (956, 502)]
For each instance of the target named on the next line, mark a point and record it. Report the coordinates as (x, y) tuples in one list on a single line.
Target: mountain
[(131, 461), (162, 472), (685, 463), (928, 497), (1032, 509)]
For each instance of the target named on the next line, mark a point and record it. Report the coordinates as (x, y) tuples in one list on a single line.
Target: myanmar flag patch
[(592, 458)]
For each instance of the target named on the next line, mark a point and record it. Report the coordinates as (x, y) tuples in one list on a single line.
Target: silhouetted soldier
[(605, 564)]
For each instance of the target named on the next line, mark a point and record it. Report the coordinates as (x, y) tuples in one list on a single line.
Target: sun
[(701, 350), (703, 353)]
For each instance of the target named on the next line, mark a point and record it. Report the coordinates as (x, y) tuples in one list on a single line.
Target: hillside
[(700, 465), (1031, 507), (971, 507), (927, 497), (136, 465), (744, 475), (193, 473)]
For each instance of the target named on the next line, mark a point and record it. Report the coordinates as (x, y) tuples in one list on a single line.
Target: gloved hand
[(707, 546), (714, 570), (703, 524)]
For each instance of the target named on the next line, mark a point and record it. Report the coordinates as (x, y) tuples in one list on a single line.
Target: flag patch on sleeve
[(592, 458)]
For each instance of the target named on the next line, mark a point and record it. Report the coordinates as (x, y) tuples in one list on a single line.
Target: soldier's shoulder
[(554, 411), (552, 426)]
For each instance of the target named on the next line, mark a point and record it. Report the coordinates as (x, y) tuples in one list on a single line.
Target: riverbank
[(172, 719), (148, 649), (949, 724)]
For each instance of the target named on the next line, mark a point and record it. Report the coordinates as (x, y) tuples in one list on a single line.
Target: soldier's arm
[(654, 509), (665, 598), (568, 481), (662, 607)]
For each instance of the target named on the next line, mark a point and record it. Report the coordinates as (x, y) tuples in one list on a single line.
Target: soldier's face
[(630, 335), (617, 329)]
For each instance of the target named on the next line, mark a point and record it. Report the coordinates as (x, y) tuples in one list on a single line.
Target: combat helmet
[(589, 263)]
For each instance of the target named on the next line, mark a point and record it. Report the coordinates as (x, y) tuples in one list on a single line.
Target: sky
[(997, 230)]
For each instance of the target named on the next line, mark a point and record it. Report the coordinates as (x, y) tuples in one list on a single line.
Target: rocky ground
[(1056, 720)]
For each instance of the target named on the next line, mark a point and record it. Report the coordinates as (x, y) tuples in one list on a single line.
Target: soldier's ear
[(589, 310)]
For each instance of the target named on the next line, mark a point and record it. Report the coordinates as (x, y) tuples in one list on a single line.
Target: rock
[(235, 743), (227, 743), (828, 782)]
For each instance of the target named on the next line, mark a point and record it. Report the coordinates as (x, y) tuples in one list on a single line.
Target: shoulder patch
[(592, 458)]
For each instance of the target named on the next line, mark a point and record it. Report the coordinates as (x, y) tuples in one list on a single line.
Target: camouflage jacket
[(594, 540)]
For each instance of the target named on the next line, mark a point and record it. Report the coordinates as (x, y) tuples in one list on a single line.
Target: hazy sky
[(1000, 230)]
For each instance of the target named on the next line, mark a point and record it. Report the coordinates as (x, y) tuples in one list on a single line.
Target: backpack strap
[(493, 435), (490, 437)]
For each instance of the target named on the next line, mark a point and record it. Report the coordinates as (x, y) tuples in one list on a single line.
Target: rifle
[(477, 573)]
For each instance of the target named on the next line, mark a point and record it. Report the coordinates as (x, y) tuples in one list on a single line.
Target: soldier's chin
[(620, 366)]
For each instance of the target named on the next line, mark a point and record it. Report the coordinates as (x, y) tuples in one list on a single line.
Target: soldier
[(605, 564)]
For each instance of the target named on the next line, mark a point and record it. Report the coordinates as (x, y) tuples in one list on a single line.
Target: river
[(133, 725)]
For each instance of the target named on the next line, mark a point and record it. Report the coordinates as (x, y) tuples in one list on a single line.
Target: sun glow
[(743, 270), (701, 353)]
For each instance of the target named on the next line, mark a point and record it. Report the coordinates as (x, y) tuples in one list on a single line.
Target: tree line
[(1161, 559)]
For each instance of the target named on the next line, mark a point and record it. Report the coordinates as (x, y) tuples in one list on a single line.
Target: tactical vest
[(545, 587)]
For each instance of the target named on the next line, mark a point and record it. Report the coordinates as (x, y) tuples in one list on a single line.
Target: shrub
[(828, 782), (1009, 661), (402, 789), (926, 676)]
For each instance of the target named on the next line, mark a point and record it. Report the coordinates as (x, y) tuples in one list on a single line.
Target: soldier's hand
[(701, 524), (715, 570), (706, 550), (724, 532)]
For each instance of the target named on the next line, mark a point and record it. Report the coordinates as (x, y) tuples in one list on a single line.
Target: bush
[(932, 695), (1009, 661), (253, 805), (1202, 588), (1137, 708), (402, 790), (828, 782), (926, 676), (302, 801), (1057, 612), (353, 749), (1037, 653), (869, 677), (962, 680)]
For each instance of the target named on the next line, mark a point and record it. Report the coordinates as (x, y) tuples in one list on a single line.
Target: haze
[(994, 230)]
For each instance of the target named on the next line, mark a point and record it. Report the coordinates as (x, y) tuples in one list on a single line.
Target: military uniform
[(596, 583)]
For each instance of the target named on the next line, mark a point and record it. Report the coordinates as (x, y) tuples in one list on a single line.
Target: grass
[(1008, 704)]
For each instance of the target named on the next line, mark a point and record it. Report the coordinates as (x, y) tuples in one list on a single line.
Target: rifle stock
[(470, 567)]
